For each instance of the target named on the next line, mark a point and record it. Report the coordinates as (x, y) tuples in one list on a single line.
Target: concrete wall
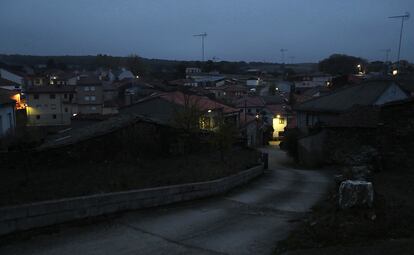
[(24, 217)]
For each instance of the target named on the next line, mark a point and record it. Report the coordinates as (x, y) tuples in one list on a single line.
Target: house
[(250, 105), (168, 106), (184, 82), (251, 129), (280, 118), (192, 70), (50, 105), (312, 80), (323, 109), (10, 80), (89, 95), (254, 82), (124, 74), (7, 115)]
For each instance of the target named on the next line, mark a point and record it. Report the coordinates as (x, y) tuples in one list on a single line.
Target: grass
[(70, 179), (390, 218)]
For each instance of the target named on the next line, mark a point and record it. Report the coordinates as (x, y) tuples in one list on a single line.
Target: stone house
[(327, 108)]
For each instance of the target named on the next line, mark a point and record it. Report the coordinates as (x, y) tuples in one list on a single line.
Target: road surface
[(248, 220)]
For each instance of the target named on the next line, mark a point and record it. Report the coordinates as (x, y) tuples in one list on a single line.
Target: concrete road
[(248, 220)]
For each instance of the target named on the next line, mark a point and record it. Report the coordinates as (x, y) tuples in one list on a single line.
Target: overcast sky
[(250, 30)]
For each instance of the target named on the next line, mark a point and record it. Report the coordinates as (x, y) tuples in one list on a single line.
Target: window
[(54, 116), (281, 121), (87, 98), (93, 108), (86, 88), (93, 98), (36, 96), (38, 117), (92, 88), (249, 110), (65, 96), (53, 106), (66, 109)]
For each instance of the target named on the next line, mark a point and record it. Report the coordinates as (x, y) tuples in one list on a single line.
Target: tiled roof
[(51, 89), (250, 101), (202, 102)]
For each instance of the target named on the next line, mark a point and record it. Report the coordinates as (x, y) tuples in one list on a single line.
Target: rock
[(356, 194)]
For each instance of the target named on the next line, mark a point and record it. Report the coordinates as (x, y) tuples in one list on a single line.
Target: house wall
[(279, 125), (90, 99), (47, 111), (7, 118), (393, 93)]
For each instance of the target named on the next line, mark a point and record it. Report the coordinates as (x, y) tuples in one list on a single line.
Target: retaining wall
[(28, 216)]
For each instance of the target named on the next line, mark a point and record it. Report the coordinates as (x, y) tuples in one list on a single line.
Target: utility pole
[(387, 53), (203, 36), (403, 18)]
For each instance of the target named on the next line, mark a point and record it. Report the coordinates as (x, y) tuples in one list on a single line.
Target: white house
[(7, 115)]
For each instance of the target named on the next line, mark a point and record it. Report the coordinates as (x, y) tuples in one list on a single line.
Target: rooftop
[(344, 99), (51, 89)]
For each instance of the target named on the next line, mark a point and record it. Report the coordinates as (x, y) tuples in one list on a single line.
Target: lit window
[(92, 88), (86, 88), (281, 121), (93, 108), (93, 98), (87, 98)]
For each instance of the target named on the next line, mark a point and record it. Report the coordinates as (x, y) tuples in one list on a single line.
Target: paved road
[(248, 220)]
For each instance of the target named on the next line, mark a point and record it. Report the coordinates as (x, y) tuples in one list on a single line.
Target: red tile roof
[(204, 103)]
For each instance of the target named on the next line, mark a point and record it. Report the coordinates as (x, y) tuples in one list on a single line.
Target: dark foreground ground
[(72, 179), (247, 220), (388, 228)]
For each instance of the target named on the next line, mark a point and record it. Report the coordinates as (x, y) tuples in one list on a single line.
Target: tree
[(339, 64), (187, 117), (136, 65), (224, 137)]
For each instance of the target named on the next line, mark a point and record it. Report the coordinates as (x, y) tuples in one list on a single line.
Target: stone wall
[(24, 217), (397, 136)]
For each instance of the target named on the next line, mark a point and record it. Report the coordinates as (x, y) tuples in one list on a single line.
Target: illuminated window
[(281, 121), (92, 88), (93, 108), (87, 98), (93, 98), (86, 88)]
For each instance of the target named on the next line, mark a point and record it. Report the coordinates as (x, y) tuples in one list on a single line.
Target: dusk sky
[(250, 30)]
